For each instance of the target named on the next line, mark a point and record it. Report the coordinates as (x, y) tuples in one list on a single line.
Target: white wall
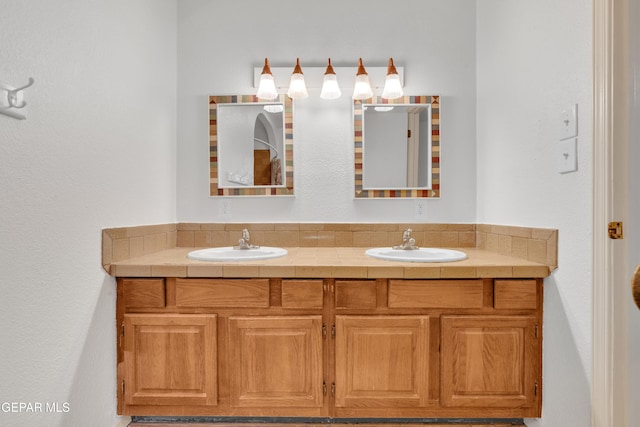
[(220, 42), (534, 57), (97, 150)]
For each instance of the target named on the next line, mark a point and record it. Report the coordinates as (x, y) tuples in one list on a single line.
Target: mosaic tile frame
[(262, 190), (434, 192)]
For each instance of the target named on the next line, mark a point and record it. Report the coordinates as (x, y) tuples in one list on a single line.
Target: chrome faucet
[(408, 242), (245, 241)]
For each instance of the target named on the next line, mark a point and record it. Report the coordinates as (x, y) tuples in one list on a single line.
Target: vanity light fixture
[(362, 88), (267, 87), (280, 80), (297, 88), (330, 88), (392, 87)]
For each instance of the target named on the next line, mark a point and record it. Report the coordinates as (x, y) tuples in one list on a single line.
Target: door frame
[(609, 387)]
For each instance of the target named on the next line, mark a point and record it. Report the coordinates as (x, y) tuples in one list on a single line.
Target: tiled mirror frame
[(434, 191), (266, 190)]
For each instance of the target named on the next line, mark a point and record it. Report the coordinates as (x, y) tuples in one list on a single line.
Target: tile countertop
[(331, 262)]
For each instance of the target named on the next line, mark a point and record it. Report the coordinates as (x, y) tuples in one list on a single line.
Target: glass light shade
[(274, 108), (330, 88), (362, 88), (267, 87), (297, 88), (392, 87)]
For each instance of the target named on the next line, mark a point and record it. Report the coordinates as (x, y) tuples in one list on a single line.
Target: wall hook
[(13, 100), (12, 95)]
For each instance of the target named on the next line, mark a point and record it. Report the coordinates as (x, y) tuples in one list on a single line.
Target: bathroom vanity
[(331, 333), (330, 347)]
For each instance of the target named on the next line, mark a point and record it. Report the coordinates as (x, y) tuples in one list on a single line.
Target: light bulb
[(392, 87), (297, 87), (267, 86), (362, 88), (330, 88), (274, 108)]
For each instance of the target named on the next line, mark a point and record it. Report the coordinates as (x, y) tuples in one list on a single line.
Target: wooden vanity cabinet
[(343, 348), (438, 348), (227, 347)]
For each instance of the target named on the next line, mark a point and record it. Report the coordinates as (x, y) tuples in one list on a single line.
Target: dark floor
[(147, 424)]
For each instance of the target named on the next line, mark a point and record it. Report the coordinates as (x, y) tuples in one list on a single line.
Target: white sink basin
[(228, 253), (417, 255)]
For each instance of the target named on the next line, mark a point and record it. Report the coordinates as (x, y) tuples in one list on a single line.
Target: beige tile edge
[(117, 243), (532, 244)]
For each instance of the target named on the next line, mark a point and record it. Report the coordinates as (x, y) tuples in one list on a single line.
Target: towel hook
[(12, 95)]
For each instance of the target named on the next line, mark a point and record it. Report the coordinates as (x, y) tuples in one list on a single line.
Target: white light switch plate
[(567, 156), (224, 209), (568, 122), (418, 208)]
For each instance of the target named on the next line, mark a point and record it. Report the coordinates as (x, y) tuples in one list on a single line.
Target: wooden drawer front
[(435, 293), (355, 294), (302, 293), (144, 293), (517, 294), (222, 293)]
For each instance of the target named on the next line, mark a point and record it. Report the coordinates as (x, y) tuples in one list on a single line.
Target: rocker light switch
[(567, 156)]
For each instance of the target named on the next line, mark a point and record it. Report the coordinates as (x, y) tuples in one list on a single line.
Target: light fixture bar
[(314, 76)]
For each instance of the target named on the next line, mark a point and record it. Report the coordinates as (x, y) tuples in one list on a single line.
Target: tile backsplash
[(533, 244)]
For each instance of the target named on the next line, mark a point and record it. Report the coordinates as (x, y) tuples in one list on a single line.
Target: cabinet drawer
[(516, 294), (222, 293), (144, 293), (435, 293), (302, 293), (356, 294)]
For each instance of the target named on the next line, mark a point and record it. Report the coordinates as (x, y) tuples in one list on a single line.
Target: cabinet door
[(489, 361), (275, 361), (170, 359), (382, 361)]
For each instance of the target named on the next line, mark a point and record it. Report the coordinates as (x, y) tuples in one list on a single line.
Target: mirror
[(250, 146), (397, 147)]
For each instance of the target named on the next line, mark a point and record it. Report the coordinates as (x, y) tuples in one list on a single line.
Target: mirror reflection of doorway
[(267, 169)]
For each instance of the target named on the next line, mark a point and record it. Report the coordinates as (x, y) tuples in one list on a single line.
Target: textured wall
[(219, 43), (534, 57), (97, 149)]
